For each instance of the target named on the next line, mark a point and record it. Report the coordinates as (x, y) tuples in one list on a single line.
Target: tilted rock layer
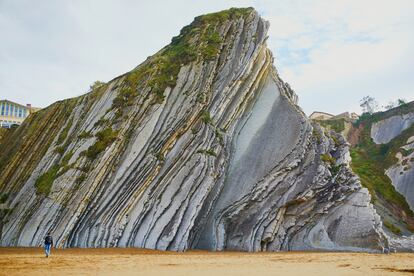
[(201, 146)]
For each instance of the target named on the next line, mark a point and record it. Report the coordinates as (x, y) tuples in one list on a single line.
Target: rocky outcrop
[(402, 173), (381, 156), (201, 146), (385, 130)]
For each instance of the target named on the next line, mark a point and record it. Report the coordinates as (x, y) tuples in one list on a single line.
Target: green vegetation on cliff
[(104, 138), (3, 198), (44, 182), (337, 125), (24, 147), (199, 41), (369, 162)]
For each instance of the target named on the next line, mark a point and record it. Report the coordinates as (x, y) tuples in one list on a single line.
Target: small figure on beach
[(48, 244)]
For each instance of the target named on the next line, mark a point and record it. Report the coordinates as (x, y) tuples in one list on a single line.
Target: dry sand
[(31, 261)]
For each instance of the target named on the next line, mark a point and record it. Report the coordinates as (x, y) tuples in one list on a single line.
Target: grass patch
[(105, 138), (101, 122), (328, 159), (64, 133), (199, 41), (44, 183), (60, 150), (206, 117), (209, 152), (392, 227), (84, 135), (125, 97), (316, 133), (338, 125), (369, 162), (80, 178)]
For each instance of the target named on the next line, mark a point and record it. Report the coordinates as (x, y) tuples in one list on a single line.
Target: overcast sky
[(331, 52)]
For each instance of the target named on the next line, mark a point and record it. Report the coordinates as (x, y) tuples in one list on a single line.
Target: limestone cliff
[(382, 156), (201, 146)]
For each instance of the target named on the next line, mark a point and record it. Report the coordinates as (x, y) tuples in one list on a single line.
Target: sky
[(331, 52)]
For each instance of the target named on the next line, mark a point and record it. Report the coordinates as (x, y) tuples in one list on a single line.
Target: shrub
[(3, 198), (80, 178), (96, 85), (159, 156), (125, 97), (60, 150), (101, 122)]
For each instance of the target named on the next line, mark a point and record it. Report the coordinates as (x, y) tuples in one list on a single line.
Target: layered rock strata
[(218, 156)]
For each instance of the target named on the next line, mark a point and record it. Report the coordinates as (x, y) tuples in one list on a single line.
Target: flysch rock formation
[(219, 158)]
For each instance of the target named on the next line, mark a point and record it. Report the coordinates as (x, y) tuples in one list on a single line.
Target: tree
[(96, 85), (368, 104), (389, 106), (401, 102)]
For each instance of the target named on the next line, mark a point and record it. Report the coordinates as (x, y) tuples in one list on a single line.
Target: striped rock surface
[(222, 159)]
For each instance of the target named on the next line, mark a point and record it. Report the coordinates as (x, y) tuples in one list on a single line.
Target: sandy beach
[(31, 261)]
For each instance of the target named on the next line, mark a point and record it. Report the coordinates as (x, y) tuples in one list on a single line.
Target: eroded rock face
[(225, 159), (384, 131), (402, 173)]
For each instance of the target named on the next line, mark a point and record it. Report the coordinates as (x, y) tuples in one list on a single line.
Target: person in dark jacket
[(48, 244)]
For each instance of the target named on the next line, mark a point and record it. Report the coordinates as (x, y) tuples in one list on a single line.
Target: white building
[(13, 113)]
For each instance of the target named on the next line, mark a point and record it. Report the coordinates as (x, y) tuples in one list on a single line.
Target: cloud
[(331, 52), (328, 46)]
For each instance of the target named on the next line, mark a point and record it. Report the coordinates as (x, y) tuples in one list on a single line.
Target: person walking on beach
[(48, 244)]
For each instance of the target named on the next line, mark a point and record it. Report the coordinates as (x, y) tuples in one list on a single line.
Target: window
[(2, 108)]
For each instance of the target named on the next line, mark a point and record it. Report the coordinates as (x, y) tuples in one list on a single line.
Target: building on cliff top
[(12, 113), (316, 115), (321, 116)]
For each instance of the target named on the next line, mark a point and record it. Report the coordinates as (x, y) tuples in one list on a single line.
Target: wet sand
[(31, 261)]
